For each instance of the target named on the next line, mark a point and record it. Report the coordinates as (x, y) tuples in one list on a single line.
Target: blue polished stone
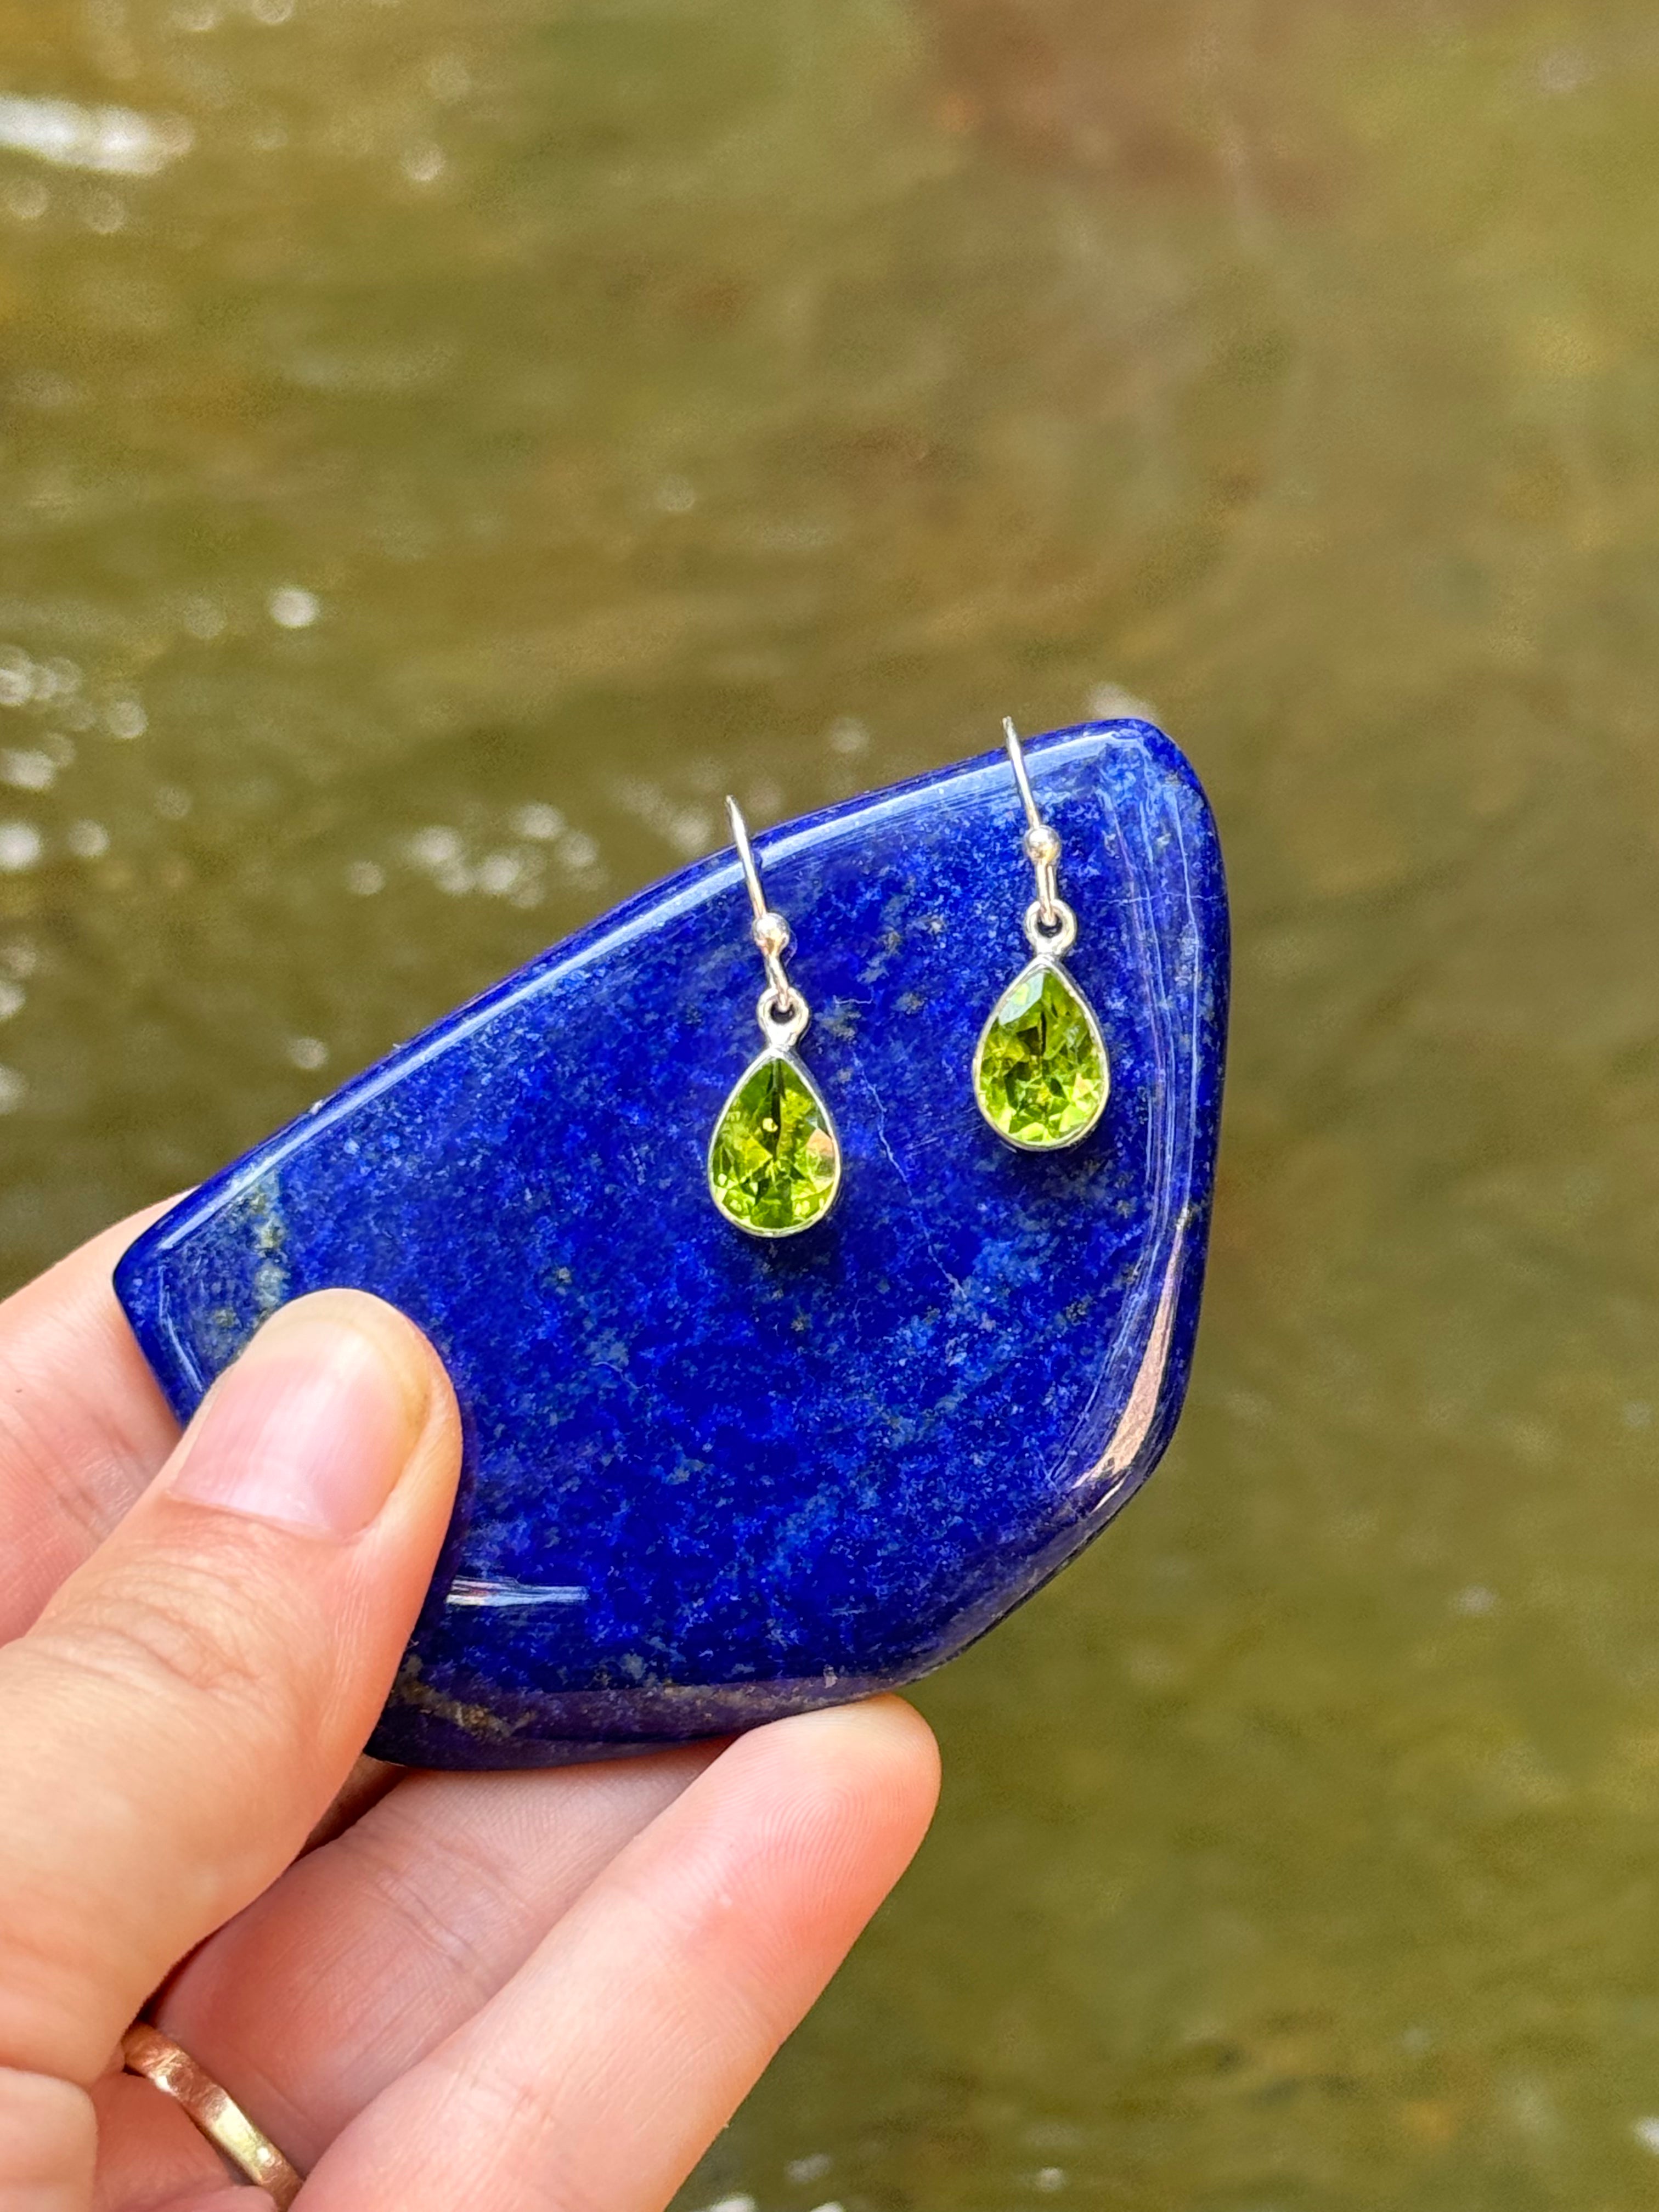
[(710, 1479)]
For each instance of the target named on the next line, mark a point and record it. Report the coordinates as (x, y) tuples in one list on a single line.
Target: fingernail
[(314, 1424)]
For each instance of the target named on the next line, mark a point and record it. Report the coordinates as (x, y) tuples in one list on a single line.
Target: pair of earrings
[(1040, 1070)]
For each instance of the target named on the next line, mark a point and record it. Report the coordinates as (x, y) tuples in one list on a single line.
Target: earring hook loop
[(782, 1013), (1050, 919)]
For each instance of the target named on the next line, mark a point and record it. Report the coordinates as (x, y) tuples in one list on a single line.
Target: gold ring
[(146, 2050)]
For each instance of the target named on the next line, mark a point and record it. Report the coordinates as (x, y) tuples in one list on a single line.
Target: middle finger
[(370, 1951)]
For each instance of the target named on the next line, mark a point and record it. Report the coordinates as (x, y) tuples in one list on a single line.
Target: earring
[(1041, 1074), (774, 1158)]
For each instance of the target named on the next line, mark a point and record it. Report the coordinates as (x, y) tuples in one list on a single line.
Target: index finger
[(83, 1426)]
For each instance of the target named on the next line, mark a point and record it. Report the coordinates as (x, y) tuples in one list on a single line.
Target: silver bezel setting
[(1043, 963), (762, 1059)]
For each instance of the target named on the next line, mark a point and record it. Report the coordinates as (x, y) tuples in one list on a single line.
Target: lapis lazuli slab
[(711, 1479)]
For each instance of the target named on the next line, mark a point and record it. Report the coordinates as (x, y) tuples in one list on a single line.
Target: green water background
[(444, 446)]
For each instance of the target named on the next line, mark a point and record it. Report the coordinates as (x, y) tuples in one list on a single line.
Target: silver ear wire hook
[(774, 1161), (1017, 759), (782, 1008), (1050, 925)]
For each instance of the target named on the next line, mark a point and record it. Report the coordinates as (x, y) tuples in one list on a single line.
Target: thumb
[(192, 1697)]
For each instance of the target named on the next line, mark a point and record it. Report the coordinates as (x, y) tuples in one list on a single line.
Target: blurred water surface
[(445, 446)]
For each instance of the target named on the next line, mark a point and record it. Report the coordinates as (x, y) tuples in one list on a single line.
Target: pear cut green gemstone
[(1040, 1074), (775, 1163)]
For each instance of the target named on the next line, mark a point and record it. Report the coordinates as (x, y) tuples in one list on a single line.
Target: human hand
[(508, 1991)]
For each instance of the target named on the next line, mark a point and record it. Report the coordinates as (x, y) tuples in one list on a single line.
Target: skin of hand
[(537, 1989)]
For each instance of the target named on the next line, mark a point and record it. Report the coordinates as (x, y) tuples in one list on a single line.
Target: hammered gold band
[(146, 2050)]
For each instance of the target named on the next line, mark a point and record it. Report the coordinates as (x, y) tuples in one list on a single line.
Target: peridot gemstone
[(775, 1163), (1040, 1074)]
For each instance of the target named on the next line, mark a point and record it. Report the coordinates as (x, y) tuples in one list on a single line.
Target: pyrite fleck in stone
[(1039, 1073), (775, 1165), (709, 1479)]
